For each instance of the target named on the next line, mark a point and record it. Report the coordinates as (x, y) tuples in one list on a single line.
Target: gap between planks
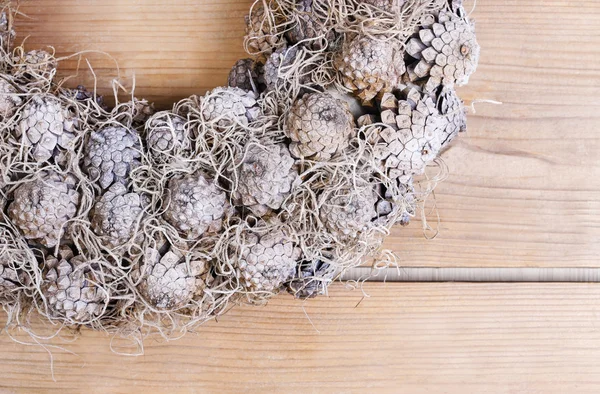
[(481, 274)]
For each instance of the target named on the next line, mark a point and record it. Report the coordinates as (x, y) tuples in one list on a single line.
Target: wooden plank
[(403, 338), (524, 183)]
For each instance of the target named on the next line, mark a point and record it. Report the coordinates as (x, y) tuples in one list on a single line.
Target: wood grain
[(524, 183), (403, 338)]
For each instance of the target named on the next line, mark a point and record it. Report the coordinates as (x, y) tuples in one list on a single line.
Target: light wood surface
[(403, 338), (524, 183)]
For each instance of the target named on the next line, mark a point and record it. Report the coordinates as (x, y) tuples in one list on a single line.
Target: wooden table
[(523, 191)]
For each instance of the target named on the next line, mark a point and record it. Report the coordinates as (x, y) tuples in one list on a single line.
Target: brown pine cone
[(195, 205), (44, 127), (9, 100), (308, 28), (446, 50), (115, 215), (71, 288), (41, 208), (169, 281), (111, 154), (36, 64), (265, 178), (319, 126), (348, 212), (371, 65), (261, 37), (266, 261)]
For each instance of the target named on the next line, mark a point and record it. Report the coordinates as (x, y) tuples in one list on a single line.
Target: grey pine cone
[(9, 100), (265, 178), (167, 136), (319, 126), (116, 214), (244, 75), (228, 106), (111, 154), (349, 212), (310, 280), (41, 208), (195, 205)]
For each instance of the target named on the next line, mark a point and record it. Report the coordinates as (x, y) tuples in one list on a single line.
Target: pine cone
[(311, 280), (116, 214), (369, 66), (9, 100), (196, 205), (308, 27), (261, 36), (228, 106), (452, 108), (349, 211), (167, 136), (319, 126), (7, 33), (392, 6), (414, 134), (42, 207), (9, 276), (44, 127), (278, 64), (446, 50), (169, 281), (36, 64), (265, 178), (396, 206), (71, 290), (111, 154), (266, 261), (244, 75)]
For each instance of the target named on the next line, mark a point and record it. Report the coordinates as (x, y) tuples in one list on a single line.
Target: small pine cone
[(35, 64), (142, 110), (9, 100), (244, 75), (392, 6), (115, 215), (229, 106), (261, 35), (41, 208), (266, 176), (266, 261), (369, 66), (169, 281), (82, 94), (319, 126), (311, 280), (111, 154), (166, 136), (44, 127), (278, 64), (349, 211), (413, 137), (196, 205), (446, 50), (308, 28), (7, 33), (71, 290), (452, 108), (9, 276)]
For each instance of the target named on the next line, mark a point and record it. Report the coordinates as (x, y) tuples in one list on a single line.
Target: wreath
[(135, 221)]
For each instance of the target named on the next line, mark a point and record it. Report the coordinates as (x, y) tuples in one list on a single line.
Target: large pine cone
[(369, 65), (9, 100), (446, 50), (44, 127), (111, 154), (349, 212), (167, 136), (196, 205), (169, 281), (116, 214), (414, 134), (228, 106), (261, 36), (41, 208), (265, 178), (266, 261), (319, 126), (71, 290)]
